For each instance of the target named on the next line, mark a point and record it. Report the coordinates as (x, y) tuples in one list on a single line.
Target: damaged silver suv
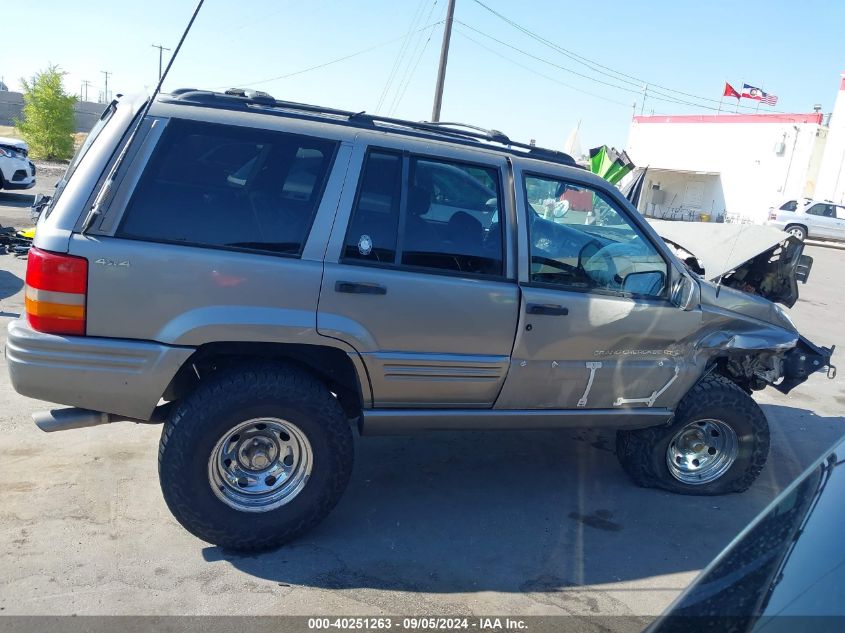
[(257, 275)]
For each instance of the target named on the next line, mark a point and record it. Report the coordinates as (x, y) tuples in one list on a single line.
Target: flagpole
[(757, 109), (741, 88), (719, 110)]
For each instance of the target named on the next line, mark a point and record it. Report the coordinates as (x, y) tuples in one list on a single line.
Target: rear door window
[(230, 187), (372, 233), (427, 214)]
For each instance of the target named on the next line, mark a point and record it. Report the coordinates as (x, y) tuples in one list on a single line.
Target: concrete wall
[(761, 160), (85, 113)]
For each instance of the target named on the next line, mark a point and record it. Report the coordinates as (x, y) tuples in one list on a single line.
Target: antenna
[(103, 193)]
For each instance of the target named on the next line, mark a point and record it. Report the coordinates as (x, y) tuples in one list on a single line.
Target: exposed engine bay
[(759, 260)]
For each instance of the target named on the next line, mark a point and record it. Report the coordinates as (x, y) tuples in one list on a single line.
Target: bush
[(47, 124)]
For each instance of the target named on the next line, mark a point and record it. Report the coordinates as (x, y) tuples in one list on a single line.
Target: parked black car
[(784, 572)]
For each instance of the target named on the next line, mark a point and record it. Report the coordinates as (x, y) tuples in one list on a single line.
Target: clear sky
[(793, 50)]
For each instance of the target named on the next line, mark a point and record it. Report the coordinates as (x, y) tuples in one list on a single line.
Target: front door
[(840, 222), (822, 221), (417, 282), (596, 330)]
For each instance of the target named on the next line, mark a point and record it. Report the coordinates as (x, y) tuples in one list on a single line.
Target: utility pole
[(645, 94), (83, 93), (444, 57), (106, 90), (161, 49)]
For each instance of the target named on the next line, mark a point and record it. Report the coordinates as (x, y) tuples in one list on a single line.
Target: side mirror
[(647, 282), (684, 293)]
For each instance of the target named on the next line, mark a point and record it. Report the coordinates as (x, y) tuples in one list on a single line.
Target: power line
[(404, 88), (324, 64), (538, 73), (397, 62), (638, 92), (411, 70), (597, 67)]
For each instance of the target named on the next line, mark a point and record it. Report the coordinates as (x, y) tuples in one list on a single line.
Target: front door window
[(580, 241)]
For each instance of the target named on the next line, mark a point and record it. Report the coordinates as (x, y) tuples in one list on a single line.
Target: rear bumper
[(118, 376)]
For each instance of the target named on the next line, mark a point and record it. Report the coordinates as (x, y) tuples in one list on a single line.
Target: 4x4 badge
[(111, 262), (365, 245)]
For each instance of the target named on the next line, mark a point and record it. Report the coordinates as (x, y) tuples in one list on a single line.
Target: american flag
[(753, 92)]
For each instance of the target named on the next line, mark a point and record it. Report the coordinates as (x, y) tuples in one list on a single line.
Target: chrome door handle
[(360, 288), (547, 309)]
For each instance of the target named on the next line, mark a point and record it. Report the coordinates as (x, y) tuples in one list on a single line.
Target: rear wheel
[(256, 456), (717, 443), (796, 230)]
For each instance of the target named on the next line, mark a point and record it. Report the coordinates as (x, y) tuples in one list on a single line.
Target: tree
[(47, 123)]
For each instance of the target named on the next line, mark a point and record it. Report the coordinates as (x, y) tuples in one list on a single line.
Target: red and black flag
[(730, 91)]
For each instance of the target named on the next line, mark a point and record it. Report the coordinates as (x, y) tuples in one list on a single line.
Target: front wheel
[(798, 231), (257, 455), (717, 443)]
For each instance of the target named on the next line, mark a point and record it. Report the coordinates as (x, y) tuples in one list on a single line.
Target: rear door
[(597, 330), (417, 277)]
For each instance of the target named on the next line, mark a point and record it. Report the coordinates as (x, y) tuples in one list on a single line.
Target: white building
[(831, 184), (738, 164)]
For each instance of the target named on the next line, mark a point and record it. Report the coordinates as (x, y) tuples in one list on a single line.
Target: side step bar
[(402, 421), (74, 418)]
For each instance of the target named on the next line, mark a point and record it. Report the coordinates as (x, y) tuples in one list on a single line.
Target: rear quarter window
[(230, 187)]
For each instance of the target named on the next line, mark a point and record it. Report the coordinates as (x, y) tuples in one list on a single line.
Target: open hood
[(756, 259)]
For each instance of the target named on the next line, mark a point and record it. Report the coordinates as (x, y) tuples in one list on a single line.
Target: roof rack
[(246, 99)]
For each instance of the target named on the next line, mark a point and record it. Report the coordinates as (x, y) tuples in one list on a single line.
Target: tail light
[(56, 287), (773, 215)]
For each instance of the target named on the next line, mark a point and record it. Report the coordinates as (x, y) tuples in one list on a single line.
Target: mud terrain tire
[(643, 452), (247, 392)]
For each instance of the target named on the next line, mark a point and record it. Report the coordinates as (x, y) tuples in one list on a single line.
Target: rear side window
[(789, 206), (424, 213), (231, 187)]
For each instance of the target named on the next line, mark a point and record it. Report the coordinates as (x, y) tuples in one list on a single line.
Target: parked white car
[(815, 219), (16, 170)]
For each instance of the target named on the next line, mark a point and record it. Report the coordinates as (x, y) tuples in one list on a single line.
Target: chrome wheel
[(702, 451), (796, 231), (260, 465)]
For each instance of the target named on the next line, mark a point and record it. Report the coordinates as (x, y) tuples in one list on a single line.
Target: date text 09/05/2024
[(418, 623)]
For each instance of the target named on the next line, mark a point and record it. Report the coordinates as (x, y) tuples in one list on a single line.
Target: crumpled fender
[(763, 338)]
